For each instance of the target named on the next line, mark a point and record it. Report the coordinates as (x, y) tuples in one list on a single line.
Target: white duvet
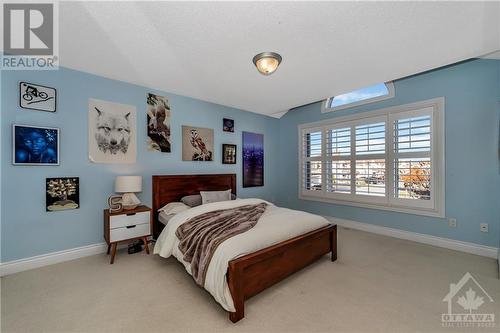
[(275, 225)]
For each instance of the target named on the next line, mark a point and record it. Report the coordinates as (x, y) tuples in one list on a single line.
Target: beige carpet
[(379, 284)]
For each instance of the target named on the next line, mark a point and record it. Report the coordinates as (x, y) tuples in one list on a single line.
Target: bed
[(248, 274)]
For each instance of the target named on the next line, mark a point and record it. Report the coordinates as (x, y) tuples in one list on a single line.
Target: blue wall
[(471, 89), (27, 230), (498, 92), (472, 93)]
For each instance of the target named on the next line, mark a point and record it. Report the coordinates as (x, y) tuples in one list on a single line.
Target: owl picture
[(197, 144)]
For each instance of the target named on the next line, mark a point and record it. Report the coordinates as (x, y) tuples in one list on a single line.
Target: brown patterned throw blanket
[(200, 236)]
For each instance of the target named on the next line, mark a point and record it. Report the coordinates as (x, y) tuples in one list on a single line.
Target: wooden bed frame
[(254, 272)]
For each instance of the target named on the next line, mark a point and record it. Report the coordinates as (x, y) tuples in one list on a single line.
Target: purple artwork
[(253, 159)]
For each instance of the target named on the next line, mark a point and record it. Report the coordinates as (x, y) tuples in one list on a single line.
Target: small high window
[(375, 93)]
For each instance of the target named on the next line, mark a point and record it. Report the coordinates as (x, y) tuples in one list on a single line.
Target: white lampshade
[(127, 184)]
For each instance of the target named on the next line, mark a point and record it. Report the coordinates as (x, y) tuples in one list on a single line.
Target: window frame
[(325, 106), (434, 207), (319, 158)]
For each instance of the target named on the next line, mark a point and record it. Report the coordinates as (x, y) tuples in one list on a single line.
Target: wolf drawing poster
[(112, 132)]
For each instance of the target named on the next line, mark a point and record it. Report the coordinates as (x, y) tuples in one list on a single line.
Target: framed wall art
[(228, 125), (37, 97), (112, 132), (158, 117), (35, 145), (62, 193), (197, 143), (253, 159), (228, 154)]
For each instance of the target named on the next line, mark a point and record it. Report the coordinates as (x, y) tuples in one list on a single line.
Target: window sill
[(387, 207)]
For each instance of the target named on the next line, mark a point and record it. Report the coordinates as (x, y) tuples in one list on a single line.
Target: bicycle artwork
[(37, 97)]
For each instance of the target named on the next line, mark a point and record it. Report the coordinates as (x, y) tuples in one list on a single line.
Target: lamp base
[(130, 201)]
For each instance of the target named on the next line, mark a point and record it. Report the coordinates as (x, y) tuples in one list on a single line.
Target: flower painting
[(158, 117), (62, 194), (35, 145)]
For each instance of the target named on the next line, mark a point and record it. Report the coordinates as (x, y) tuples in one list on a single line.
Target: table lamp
[(128, 185)]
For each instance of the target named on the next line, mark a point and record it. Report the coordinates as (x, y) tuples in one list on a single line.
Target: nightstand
[(127, 225)]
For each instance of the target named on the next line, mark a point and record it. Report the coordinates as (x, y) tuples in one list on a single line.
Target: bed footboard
[(250, 274)]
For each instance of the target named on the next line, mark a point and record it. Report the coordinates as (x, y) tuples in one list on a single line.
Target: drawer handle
[(130, 214), (131, 226)]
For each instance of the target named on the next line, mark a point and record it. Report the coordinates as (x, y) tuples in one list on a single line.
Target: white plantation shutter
[(412, 157), (412, 178), (312, 152), (386, 159), (338, 147), (412, 134), (370, 139), (370, 168)]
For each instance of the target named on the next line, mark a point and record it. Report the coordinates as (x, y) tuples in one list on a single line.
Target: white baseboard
[(15, 266), (480, 250), (25, 264)]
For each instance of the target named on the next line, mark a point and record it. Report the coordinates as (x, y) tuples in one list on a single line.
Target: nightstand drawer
[(132, 231), (123, 220)]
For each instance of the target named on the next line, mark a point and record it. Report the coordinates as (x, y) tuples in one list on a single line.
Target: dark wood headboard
[(170, 188)]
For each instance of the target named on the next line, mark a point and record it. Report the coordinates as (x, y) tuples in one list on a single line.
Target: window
[(390, 159), (377, 92), (312, 161)]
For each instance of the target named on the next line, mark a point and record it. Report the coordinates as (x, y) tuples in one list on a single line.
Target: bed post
[(333, 242), (235, 287)]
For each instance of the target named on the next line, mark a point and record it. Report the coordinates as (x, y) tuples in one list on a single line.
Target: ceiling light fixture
[(267, 62)]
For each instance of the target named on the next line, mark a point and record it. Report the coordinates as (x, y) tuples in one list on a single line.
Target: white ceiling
[(493, 55), (205, 50)]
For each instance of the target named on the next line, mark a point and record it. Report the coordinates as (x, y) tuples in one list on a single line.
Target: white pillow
[(164, 218), (215, 196), (174, 208)]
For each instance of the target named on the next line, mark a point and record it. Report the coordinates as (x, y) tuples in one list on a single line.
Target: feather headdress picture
[(158, 118)]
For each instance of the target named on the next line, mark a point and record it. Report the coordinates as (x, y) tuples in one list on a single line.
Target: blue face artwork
[(35, 145)]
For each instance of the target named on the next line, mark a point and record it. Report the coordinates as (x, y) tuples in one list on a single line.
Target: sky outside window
[(360, 95)]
